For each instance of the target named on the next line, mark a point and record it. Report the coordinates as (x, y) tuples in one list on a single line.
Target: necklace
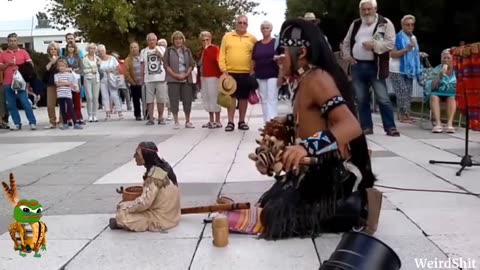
[(302, 73)]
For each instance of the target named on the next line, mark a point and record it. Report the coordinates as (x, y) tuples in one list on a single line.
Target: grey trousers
[(177, 92)]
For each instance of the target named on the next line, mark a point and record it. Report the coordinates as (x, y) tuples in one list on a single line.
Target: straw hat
[(227, 84), (310, 16)]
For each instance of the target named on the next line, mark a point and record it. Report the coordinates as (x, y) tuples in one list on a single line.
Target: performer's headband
[(147, 149), (295, 39)]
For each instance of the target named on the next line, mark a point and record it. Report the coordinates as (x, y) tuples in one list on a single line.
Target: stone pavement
[(74, 174)]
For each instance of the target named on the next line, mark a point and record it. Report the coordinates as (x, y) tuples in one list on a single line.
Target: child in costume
[(158, 208), (318, 154)]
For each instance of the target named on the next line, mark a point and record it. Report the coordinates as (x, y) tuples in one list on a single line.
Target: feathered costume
[(26, 236), (328, 195)]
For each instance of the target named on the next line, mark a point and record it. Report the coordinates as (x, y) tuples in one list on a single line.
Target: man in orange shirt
[(236, 60)]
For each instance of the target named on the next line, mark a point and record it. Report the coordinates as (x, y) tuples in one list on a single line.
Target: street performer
[(334, 191)]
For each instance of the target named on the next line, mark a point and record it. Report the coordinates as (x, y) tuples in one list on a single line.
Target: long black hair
[(321, 56), (150, 156)]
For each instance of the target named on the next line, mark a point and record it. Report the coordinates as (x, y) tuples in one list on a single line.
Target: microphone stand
[(466, 160)]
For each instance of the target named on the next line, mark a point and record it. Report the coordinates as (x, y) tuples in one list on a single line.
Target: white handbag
[(18, 83)]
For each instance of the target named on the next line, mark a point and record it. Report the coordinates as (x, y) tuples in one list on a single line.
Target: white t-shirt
[(194, 75), (154, 70), (365, 33), (394, 65)]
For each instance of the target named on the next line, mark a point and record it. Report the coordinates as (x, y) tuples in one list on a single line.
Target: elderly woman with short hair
[(53, 52), (442, 86), (405, 66), (266, 71), (209, 72), (179, 63), (91, 81), (109, 83)]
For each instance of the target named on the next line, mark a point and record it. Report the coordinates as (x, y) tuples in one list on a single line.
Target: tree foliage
[(440, 24), (115, 23)]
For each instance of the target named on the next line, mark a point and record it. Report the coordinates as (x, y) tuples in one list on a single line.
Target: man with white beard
[(367, 46)]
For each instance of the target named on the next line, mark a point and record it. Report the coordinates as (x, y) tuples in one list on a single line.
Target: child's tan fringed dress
[(157, 209)]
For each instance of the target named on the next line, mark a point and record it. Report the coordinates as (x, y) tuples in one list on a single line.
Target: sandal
[(437, 129), (230, 127), (243, 126), (374, 205), (189, 125), (450, 130), (217, 125), (393, 132), (207, 125)]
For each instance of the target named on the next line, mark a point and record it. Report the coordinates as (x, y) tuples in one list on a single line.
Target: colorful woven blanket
[(245, 221), (466, 61)]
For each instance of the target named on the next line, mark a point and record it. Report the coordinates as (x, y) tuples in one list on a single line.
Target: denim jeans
[(364, 75), (12, 97)]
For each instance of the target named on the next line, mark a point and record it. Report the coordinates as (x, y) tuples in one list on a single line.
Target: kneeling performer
[(334, 192)]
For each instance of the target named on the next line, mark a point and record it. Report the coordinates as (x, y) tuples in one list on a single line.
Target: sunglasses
[(244, 23), (409, 24)]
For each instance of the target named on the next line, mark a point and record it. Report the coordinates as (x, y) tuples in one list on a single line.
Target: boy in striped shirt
[(66, 83)]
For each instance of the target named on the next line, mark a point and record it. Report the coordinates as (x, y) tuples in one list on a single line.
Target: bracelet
[(320, 143)]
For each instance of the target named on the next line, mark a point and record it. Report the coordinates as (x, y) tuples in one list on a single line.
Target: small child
[(66, 83)]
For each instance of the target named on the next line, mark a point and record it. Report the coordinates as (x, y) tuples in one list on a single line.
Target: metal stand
[(466, 160)]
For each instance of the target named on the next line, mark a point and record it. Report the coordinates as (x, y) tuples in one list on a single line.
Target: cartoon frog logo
[(27, 232)]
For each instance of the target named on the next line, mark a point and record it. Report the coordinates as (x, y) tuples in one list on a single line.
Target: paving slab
[(243, 169), (72, 227), (443, 221), (399, 172), (464, 248), (413, 200), (48, 196), (58, 253), (420, 153), (265, 255), (190, 227), (173, 150), (124, 254), (19, 154), (30, 173)]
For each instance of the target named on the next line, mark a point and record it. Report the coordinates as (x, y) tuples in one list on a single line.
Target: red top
[(210, 61), (121, 66), (21, 56)]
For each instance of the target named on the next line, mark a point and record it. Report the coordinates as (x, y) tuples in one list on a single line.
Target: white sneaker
[(90, 119), (95, 119), (33, 127)]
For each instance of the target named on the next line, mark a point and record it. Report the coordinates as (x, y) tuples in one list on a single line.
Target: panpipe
[(466, 62)]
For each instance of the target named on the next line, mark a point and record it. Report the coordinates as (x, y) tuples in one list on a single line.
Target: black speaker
[(361, 251)]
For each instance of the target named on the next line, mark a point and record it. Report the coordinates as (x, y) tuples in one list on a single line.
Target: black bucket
[(360, 251)]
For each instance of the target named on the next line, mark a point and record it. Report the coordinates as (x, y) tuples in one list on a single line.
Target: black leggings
[(66, 106)]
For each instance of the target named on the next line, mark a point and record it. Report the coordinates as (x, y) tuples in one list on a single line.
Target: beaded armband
[(331, 104), (320, 143)]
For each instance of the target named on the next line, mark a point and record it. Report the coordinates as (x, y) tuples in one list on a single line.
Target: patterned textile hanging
[(466, 62)]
